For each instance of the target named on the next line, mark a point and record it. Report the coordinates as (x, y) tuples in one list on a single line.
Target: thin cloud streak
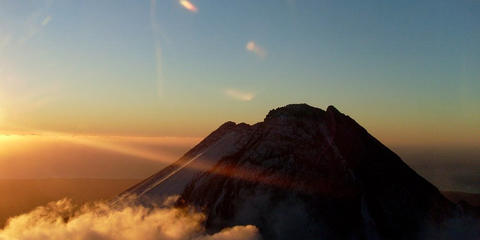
[(46, 20), (157, 47), (239, 95), (255, 48), (188, 5)]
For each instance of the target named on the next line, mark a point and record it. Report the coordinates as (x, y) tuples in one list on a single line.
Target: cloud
[(188, 5), (239, 95), (255, 48), (236, 233), (64, 220), (34, 26), (46, 20)]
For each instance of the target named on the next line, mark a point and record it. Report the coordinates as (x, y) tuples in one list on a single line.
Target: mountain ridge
[(302, 172)]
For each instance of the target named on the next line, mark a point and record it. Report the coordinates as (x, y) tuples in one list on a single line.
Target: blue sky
[(409, 71)]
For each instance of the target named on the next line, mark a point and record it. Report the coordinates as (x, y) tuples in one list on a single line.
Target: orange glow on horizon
[(45, 155)]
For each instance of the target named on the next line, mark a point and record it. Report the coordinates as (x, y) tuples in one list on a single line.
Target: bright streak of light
[(120, 145), (105, 144), (203, 164), (199, 163), (188, 5)]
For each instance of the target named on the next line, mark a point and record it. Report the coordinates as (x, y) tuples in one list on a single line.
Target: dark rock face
[(303, 173)]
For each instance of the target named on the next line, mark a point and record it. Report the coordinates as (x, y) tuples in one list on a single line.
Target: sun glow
[(129, 146), (2, 115)]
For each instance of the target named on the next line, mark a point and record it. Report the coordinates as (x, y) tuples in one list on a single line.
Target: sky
[(408, 71)]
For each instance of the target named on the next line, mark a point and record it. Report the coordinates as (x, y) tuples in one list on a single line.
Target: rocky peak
[(297, 111), (301, 167)]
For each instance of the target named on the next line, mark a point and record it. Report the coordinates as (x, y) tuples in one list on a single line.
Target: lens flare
[(256, 49), (188, 5)]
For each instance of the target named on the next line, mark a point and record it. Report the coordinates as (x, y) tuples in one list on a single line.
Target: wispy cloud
[(255, 48), (239, 95), (188, 5), (34, 25), (46, 20)]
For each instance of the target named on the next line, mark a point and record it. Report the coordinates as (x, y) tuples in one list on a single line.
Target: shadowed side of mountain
[(303, 173), (471, 198)]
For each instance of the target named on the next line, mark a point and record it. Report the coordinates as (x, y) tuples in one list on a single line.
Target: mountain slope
[(302, 173)]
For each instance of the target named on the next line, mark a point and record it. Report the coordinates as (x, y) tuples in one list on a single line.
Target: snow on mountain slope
[(173, 179)]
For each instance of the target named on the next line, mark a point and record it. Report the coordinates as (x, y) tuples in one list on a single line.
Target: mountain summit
[(302, 173)]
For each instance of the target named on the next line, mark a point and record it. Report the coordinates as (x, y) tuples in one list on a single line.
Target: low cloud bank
[(99, 221)]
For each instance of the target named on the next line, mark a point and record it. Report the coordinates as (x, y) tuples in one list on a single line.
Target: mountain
[(305, 173)]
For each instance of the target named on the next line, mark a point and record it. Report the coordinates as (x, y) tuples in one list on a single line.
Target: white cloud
[(239, 95), (63, 220), (255, 48)]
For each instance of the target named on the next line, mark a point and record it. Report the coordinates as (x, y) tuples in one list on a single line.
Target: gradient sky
[(408, 71)]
